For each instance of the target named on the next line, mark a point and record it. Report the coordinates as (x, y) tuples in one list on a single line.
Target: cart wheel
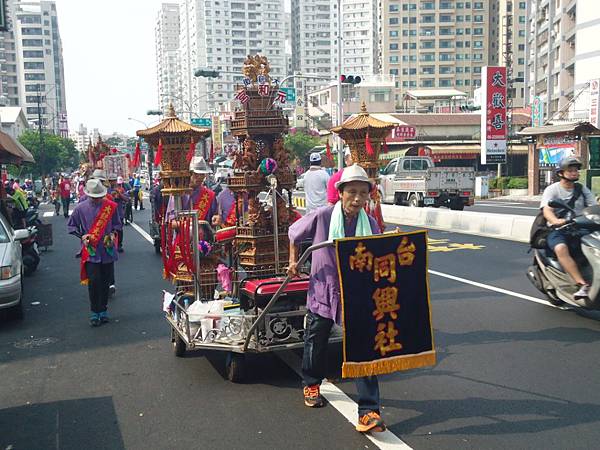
[(235, 367), (179, 346)]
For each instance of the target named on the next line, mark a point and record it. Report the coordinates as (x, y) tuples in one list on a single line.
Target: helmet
[(567, 162)]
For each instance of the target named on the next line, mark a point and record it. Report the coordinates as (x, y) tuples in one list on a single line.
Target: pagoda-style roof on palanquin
[(172, 125), (364, 121)]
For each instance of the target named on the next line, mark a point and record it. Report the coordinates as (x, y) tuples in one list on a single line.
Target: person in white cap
[(315, 184), (347, 218), (96, 222), (202, 198)]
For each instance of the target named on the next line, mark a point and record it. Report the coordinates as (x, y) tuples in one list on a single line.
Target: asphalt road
[(511, 372)]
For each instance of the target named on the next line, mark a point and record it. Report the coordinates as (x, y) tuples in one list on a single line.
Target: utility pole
[(42, 155), (340, 113)]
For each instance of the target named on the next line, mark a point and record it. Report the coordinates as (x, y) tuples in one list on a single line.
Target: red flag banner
[(328, 152), (368, 146), (385, 147), (158, 156), (137, 156), (191, 151)]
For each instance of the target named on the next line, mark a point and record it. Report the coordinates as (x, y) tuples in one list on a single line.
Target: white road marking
[(498, 203), (492, 288), (48, 214), (345, 406), (334, 395), (142, 232)]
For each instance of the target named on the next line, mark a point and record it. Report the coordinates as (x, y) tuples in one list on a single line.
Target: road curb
[(501, 226)]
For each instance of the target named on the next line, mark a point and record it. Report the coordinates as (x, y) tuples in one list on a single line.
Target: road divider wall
[(503, 226)]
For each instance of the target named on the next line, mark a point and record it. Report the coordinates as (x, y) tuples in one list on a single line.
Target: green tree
[(59, 154), (300, 143), (113, 141)]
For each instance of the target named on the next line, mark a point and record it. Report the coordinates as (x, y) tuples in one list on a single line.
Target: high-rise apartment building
[(360, 37), (219, 35), (438, 44), (40, 64), (167, 61), (562, 55), (9, 83), (511, 34)]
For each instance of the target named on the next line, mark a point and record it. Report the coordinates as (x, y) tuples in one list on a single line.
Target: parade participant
[(315, 184), (137, 190), (332, 193), (96, 222), (202, 198), (156, 200), (347, 218), (64, 186), (20, 207), (120, 197), (226, 216)]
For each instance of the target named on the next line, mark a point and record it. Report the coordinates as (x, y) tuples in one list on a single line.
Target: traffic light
[(350, 79), (206, 73)]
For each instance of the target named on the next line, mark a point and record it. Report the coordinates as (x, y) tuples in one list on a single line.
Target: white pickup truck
[(414, 181)]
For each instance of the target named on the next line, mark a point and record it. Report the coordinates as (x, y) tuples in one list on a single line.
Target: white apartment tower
[(167, 61), (9, 83), (562, 55), (40, 64), (218, 35), (360, 37)]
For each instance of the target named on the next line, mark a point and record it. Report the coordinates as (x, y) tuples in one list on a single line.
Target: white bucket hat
[(198, 165), (99, 174), (94, 188), (353, 173), (315, 157)]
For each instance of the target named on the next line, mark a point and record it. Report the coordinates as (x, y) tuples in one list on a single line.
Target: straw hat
[(94, 189), (198, 165), (353, 173), (99, 174)]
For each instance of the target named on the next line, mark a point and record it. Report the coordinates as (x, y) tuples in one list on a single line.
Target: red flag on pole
[(328, 153), (191, 151), (368, 146), (212, 151), (158, 156), (137, 156)]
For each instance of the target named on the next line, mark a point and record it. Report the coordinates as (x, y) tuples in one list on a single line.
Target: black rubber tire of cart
[(235, 367), (179, 347)]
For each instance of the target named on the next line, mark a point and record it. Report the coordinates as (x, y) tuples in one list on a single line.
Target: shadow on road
[(89, 423)]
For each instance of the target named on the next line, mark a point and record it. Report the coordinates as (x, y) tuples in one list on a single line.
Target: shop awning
[(12, 151)]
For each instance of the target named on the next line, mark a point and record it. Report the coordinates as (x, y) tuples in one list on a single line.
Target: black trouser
[(99, 280), (65, 204), (314, 363), (120, 238)]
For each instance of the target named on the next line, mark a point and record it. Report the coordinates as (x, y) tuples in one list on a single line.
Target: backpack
[(540, 230)]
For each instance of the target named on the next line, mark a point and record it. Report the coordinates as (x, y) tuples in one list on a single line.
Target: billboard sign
[(493, 115), (537, 112), (595, 102), (202, 122)]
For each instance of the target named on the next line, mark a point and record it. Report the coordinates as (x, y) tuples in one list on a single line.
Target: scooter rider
[(561, 241)]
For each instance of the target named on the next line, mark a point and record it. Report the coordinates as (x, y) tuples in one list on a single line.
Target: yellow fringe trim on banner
[(387, 365), (84, 282)]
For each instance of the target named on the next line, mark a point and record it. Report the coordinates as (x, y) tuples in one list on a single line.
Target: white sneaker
[(583, 292), (112, 290)]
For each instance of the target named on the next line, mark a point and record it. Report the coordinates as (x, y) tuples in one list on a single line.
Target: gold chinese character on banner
[(361, 259), (406, 252), (385, 267), (386, 302), (385, 340)]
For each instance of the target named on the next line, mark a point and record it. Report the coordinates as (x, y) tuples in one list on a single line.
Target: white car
[(300, 183), (11, 268)]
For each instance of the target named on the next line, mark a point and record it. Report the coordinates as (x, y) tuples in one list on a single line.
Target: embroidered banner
[(385, 303)]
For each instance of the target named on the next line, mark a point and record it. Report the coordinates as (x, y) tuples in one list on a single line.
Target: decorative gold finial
[(171, 112), (363, 108)]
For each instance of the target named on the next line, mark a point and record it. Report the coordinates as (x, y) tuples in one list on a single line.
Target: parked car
[(11, 268), (300, 183)]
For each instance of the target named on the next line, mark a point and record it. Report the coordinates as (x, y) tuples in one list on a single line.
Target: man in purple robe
[(348, 218), (97, 260)]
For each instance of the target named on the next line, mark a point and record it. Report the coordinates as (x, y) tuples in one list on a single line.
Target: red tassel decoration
[(191, 151), (328, 151), (158, 156), (137, 156), (368, 146)]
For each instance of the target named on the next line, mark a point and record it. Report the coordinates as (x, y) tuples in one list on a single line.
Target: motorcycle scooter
[(546, 273)]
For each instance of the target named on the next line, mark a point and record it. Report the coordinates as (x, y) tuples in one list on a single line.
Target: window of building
[(445, 18), (446, 57), (460, 18), (460, 5), (393, 33), (393, 59), (476, 69), (413, 83), (446, 5), (34, 98), (522, 19), (521, 47), (405, 84), (428, 70), (33, 87), (477, 31), (445, 82), (380, 95), (459, 82), (393, 71), (477, 5), (427, 18), (427, 5), (477, 44), (428, 57), (394, 21), (393, 46), (32, 42), (459, 70), (394, 8), (31, 31), (33, 54), (29, 65), (521, 33), (445, 70), (428, 44), (445, 44), (467, 82), (460, 31), (34, 110), (35, 76), (459, 44), (521, 61), (478, 18), (522, 5), (427, 83)]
